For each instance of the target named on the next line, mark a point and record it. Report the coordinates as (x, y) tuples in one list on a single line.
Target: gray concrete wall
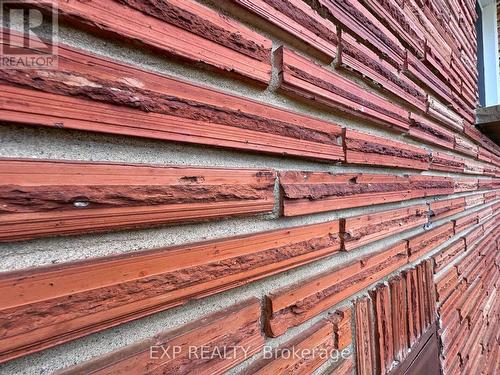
[(24, 141)]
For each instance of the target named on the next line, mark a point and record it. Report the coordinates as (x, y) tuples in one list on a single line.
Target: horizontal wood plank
[(303, 78), (421, 244), (312, 348), (183, 29), (364, 148), (308, 192), (298, 19), (447, 207), (105, 292), (365, 351), (171, 352), (430, 132), (361, 230), (43, 198), (298, 303), (96, 94)]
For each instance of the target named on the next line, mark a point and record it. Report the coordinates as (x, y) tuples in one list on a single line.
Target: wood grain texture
[(446, 162), (384, 345), (490, 170), (298, 303), (346, 367), (418, 71), (359, 21), (399, 317), (429, 292), (422, 296), (491, 196), (442, 113), (399, 23), (235, 327), (489, 224), (102, 95), (342, 327), (441, 209), (48, 306), (359, 58), (447, 309), (363, 148), (409, 66), (488, 183), (473, 236), (413, 305), (303, 78), (466, 268), (361, 230), (298, 19), (466, 147), (472, 167), (174, 28), (365, 354), (448, 254), (466, 184), (446, 283), (79, 197), (426, 186), (430, 132), (421, 244), (474, 201), (312, 348), (466, 293), (308, 192), (484, 215), (465, 222)]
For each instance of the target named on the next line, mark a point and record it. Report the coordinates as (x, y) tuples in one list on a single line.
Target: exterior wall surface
[(207, 186)]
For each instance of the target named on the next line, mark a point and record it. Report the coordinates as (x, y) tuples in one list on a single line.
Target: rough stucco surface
[(24, 141)]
